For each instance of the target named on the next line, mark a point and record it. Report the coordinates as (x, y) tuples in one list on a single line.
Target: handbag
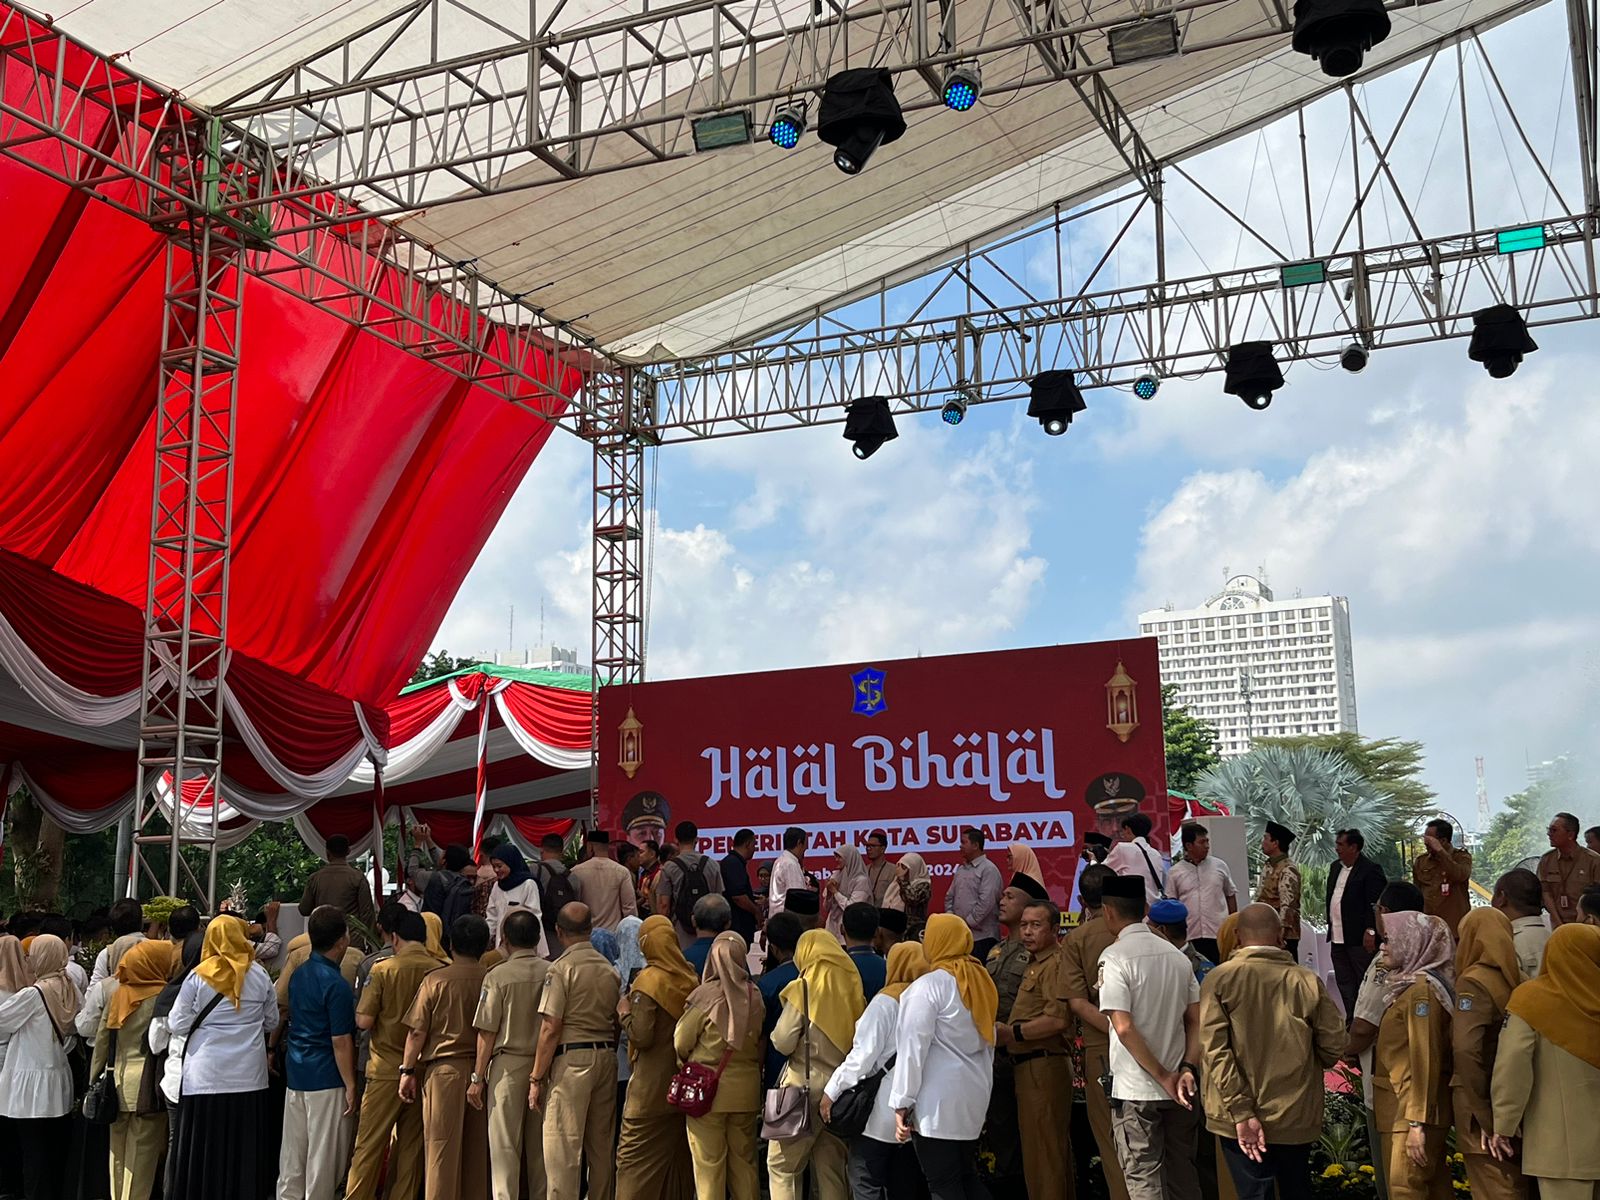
[(693, 1089), (848, 1115), (101, 1105), (786, 1111)]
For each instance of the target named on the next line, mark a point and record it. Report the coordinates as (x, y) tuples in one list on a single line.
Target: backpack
[(556, 890), (691, 885), (458, 897)]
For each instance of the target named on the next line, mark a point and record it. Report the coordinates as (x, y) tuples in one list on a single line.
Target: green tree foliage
[(439, 664), (1391, 765), (1191, 742), (1518, 830)]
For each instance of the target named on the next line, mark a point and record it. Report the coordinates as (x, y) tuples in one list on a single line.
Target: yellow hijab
[(435, 936), (1486, 954), (667, 977), (948, 944), (225, 957), (829, 985), (1228, 937), (907, 963), (144, 970), (1563, 1003)]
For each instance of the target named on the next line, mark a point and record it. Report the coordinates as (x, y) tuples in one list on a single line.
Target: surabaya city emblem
[(867, 689)]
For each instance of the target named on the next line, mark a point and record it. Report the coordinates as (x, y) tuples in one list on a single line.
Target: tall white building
[(1255, 666)]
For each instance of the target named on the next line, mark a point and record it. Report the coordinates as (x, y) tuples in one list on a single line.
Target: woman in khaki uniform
[(1547, 1076), (1487, 971), (653, 1153), (139, 1134), (1411, 1057), (723, 1022)]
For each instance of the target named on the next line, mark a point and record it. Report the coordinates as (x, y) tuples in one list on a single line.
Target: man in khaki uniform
[(1006, 964), (575, 1065), (507, 1021), (1268, 1030), (381, 1010), (1036, 1037), (443, 1045), (604, 885), (1279, 884), (1443, 873), (1080, 973), (1566, 869)]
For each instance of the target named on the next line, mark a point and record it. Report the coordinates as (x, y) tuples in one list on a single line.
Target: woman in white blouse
[(14, 976), (880, 1166), (36, 1082), (944, 1061), (225, 1009), (849, 884), (515, 887)]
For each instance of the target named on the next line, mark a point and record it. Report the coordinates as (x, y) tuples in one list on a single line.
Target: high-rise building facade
[(1254, 666)]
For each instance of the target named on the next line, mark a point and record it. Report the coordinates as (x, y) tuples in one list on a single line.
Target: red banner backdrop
[(1037, 746)]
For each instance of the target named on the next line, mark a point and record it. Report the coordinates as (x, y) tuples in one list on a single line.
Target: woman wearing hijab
[(14, 976), (653, 1152), (944, 1061), (816, 1027), (1227, 937), (1411, 1083), (1487, 971), (435, 943), (1547, 1075), (36, 1081), (721, 1027), (1025, 862), (515, 887), (910, 892), (605, 941), (139, 1134), (849, 884), (881, 1167), (167, 1051), (224, 1010)]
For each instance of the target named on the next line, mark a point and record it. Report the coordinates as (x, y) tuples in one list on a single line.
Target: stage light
[(721, 130), (1253, 374), (1053, 400), (1146, 386), (1142, 40), (963, 84), (788, 124), (858, 114), (1499, 339), (954, 410), (1353, 357), (868, 425), (1338, 32)]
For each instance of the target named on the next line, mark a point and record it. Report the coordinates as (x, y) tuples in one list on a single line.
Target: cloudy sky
[(1456, 512)]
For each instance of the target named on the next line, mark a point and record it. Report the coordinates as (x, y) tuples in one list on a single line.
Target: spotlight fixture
[(1338, 32), (788, 124), (955, 409), (1499, 339), (1053, 400), (1146, 386), (1253, 374), (1353, 357), (858, 114), (963, 83), (868, 425)]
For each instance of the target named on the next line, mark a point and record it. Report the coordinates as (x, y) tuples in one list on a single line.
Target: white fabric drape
[(412, 756), (54, 694), (316, 786)]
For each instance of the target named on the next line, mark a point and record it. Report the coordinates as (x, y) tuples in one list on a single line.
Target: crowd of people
[(653, 1023)]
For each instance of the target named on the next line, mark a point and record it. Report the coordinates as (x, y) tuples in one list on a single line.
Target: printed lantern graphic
[(630, 756), (1122, 704)]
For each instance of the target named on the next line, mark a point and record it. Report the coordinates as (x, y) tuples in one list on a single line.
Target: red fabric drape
[(558, 716)]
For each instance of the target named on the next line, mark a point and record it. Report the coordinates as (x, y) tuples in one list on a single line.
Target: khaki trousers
[(1096, 1062), (1407, 1181), (723, 1146), (137, 1144), (382, 1114), (580, 1119), (824, 1153), (1492, 1180), (1044, 1119), (315, 1139), (1156, 1145), (1569, 1189), (516, 1132), (455, 1136), (653, 1159)]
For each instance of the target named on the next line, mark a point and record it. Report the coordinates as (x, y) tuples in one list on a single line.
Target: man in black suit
[(1354, 885)]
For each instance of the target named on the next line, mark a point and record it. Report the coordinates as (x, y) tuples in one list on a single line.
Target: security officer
[(575, 1067), (1006, 964), (507, 1022), (1036, 1038)]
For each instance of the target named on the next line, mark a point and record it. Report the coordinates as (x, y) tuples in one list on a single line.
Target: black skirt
[(221, 1150)]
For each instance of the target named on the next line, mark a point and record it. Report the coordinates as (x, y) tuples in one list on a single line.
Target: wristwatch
[(1016, 1031), (475, 1078), (408, 1070)]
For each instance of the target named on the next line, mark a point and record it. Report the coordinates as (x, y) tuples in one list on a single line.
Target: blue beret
[(1169, 912)]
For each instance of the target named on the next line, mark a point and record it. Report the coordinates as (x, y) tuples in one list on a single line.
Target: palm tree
[(1316, 793)]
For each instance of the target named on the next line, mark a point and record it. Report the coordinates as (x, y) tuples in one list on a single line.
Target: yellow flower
[(1367, 1169), (1458, 1158), (1332, 1171)]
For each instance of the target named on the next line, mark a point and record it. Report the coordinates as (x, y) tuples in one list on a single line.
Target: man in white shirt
[(1203, 885), (127, 917), (1134, 855), (1517, 894), (1152, 1002), (1355, 884), (788, 871)]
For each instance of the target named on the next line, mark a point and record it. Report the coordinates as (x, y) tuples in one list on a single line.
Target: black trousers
[(883, 1170), (1293, 947), (951, 1168), (1284, 1172), (1350, 962), (46, 1143), (1208, 947)]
